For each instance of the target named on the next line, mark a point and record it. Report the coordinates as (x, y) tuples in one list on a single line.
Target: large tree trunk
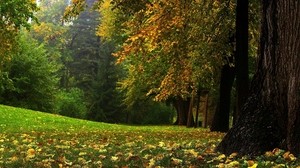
[(182, 109), (221, 116), (241, 55), (271, 115)]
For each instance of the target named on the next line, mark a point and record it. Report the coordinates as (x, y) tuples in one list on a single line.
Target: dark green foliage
[(150, 112), (31, 80), (93, 69), (71, 103), (105, 100)]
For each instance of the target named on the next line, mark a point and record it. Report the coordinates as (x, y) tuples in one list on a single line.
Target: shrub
[(153, 113), (71, 103)]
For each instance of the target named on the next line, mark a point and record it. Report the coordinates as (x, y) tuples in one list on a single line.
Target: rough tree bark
[(241, 55), (271, 114), (182, 109), (221, 116)]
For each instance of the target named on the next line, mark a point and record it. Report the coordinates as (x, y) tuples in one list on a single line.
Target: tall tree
[(271, 115), (169, 45), (222, 114), (241, 55), (239, 61), (33, 77), (92, 67), (14, 15)]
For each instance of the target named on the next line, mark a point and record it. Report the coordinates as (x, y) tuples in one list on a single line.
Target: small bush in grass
[(71, 103), (153, 113)]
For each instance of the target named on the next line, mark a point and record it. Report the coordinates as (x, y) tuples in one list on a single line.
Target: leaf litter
[(136, 148)]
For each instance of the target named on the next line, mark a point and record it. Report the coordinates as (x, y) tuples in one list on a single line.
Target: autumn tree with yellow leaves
[(169, 49)]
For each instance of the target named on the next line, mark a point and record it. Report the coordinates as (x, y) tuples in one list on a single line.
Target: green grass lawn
[(35, 139)]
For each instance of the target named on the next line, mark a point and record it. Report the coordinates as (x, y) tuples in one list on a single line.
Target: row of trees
[(175, 50), (176, 38), (168, 52), (63, 67)]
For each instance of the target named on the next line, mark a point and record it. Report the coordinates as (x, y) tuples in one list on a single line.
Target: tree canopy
[(12, 20)]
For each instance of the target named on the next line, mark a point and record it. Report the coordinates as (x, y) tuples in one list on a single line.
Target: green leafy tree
[(32, 75), (169, 52), (14, 14)]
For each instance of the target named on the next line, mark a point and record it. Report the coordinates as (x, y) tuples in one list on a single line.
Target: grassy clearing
[(35, 139)]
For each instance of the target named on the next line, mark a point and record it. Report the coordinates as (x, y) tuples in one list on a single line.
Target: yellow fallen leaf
[(15, 142), (269, 154), (253, 166), (286, 155), (82, 153), (221, 157), (176, 161), (151, 163), (233, 164), (114, 158), (228, 160), (292, 157), (102, 156), (161, 144), (14, 158), (191, 152), (250, 163), (276, 151), (81, 160), (30, 153), (289, 157), (221, 165), (233, 155)]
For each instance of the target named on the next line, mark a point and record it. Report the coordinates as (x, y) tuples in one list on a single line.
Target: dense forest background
[(147, 63)]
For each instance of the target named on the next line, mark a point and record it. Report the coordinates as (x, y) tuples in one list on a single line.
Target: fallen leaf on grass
[(82, 153), (191, 152), (175, 161), (233, 155), (81, 161), (269, 154), (151, 163), (30, 153), (161, 144), (221, 157), (233, 164), (289, 157), (114, 158), (102, 156)]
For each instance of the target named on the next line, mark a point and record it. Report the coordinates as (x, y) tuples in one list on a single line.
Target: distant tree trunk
[(271, 115), (182, 109), (221, 117), (241, 55), (190, 119), (196, 124)]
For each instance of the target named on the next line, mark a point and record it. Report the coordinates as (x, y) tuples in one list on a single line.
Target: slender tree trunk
[(221, 117), (190, 119), (241, 56), (196, 124), (271, 115)]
